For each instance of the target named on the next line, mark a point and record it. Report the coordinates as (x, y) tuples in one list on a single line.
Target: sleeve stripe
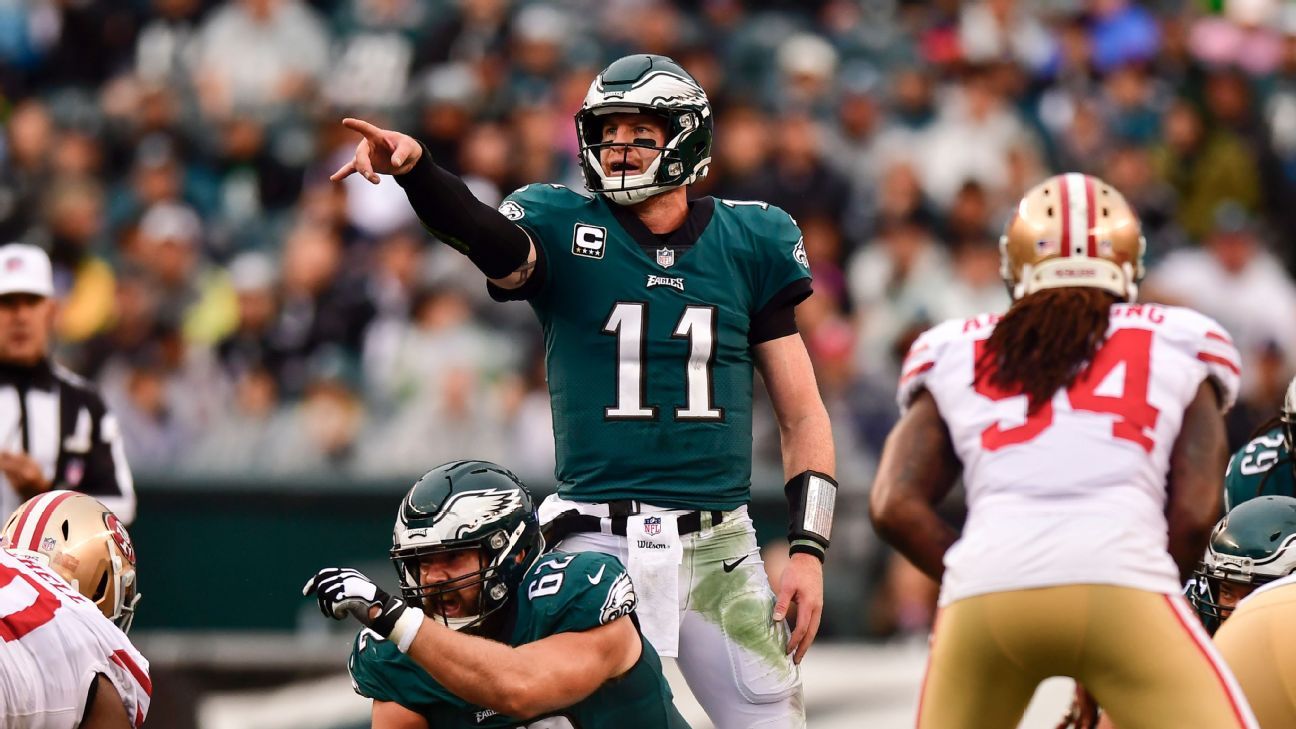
[(1219, 337), (123, 659), (1216, 359), (916, 371)]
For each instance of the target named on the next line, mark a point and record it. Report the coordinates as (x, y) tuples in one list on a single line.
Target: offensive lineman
[(500, 636), (1264, 465), (654, 309), (67, 598), (1088, 430)]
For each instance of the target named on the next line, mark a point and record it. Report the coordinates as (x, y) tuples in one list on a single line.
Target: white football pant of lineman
[(731, 653)]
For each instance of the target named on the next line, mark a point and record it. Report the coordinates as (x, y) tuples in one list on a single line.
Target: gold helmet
[(1073, 230), (85, 543)]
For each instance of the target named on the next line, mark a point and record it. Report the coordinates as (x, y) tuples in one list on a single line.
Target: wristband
[(405, 628), (811, 498)]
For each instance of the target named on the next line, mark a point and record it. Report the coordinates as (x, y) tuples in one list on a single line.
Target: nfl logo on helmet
[(652, 525)]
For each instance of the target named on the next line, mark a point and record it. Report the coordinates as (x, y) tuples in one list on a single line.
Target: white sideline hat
[(25, 269)]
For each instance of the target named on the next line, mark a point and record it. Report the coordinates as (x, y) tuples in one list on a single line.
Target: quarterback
[(1089, 435), (67, 598), (489, 631), (655, 309)]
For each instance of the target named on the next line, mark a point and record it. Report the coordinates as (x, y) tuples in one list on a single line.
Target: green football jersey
[(560, 593), (648, 356), (1262, 467)]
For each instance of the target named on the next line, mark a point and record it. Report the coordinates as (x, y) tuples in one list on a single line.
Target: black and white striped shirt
[(59, 420)]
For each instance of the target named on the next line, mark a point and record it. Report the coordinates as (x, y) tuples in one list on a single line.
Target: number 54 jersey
[(53, 642), (649, 355), (1075, 492)]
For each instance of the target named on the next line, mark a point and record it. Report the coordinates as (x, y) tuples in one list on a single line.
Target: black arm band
[(811, 497), (450, 212)]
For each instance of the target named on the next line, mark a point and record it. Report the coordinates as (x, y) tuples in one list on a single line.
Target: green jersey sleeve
[(780, 253), (381, 672), (1262, 467), (571, 592), (545, 212)]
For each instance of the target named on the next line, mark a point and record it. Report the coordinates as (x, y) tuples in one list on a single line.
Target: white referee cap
[(25, 269)]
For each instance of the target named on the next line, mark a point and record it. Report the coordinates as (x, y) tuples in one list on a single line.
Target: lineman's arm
[(502, 250), (1199, 456), (918, 468), (391, 715), (806, 437), (533, 678)]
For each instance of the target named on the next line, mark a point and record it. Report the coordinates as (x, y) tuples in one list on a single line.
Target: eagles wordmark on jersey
[(649, 358), (561, 592)]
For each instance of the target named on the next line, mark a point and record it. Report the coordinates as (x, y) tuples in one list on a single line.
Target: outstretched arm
[(502, 250), (917, 470)]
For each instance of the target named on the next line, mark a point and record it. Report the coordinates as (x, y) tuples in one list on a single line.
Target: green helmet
[(646, 84), (1253, 544), (467, 505)]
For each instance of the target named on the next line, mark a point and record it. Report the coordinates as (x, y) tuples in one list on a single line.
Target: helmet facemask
[(655, 85), (1287, 416), (493, 550)]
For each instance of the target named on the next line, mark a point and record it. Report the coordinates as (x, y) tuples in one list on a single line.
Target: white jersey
[(1076, 492), (52, 643)]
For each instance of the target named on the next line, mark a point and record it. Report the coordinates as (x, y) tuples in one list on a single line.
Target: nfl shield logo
[(665, 257), (652, 524)]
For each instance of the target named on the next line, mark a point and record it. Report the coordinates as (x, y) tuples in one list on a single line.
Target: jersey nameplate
[(589, 240)]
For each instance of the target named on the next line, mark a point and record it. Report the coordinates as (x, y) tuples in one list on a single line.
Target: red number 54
[(1135, 416)]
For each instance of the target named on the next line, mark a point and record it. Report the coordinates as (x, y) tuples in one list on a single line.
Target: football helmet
[(646, 84), (466, 505), (1073, 230), (85, 544), (1253, 544)]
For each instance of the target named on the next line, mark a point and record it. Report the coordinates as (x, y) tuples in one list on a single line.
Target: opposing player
[(67, 598), (1089, 434), (1264, 465), (1253, 558), (488, 631), (654, 309)]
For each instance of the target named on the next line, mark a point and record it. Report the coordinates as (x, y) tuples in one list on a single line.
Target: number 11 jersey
[(1074, 493), (649, 355)]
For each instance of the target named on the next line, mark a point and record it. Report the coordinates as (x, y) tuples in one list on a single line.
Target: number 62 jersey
[(53, 641), (1075, 492)]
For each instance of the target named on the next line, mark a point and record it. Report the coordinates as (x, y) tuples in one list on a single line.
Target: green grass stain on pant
[(743, 614)]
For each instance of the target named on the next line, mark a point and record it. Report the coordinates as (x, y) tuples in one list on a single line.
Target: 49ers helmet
[(1073, 230), (85, 544)]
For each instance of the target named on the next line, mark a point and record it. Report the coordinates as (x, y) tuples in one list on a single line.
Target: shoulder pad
[(927, 349), (1202, 338), (534, 198), (593, 589)]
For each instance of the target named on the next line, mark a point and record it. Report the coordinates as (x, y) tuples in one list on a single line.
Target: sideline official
[(55, 431)]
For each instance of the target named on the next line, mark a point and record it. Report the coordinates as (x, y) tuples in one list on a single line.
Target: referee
[(55, 431)]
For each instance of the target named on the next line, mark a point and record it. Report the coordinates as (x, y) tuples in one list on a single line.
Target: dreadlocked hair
[(1045, 340)]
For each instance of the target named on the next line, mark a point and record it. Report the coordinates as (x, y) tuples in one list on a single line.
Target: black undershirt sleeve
[(778, 317), (450, 212), (529, 288)]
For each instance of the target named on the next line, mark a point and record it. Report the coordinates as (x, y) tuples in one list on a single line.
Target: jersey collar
[(684, 237)]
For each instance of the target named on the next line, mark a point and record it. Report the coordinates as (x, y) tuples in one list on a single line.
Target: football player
[(1264, 465), (1253, 559), (654, 310), (488, 631), (67, 597), (1088, 430)]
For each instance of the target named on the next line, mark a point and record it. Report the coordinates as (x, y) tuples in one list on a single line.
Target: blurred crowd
[(244, 315)]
